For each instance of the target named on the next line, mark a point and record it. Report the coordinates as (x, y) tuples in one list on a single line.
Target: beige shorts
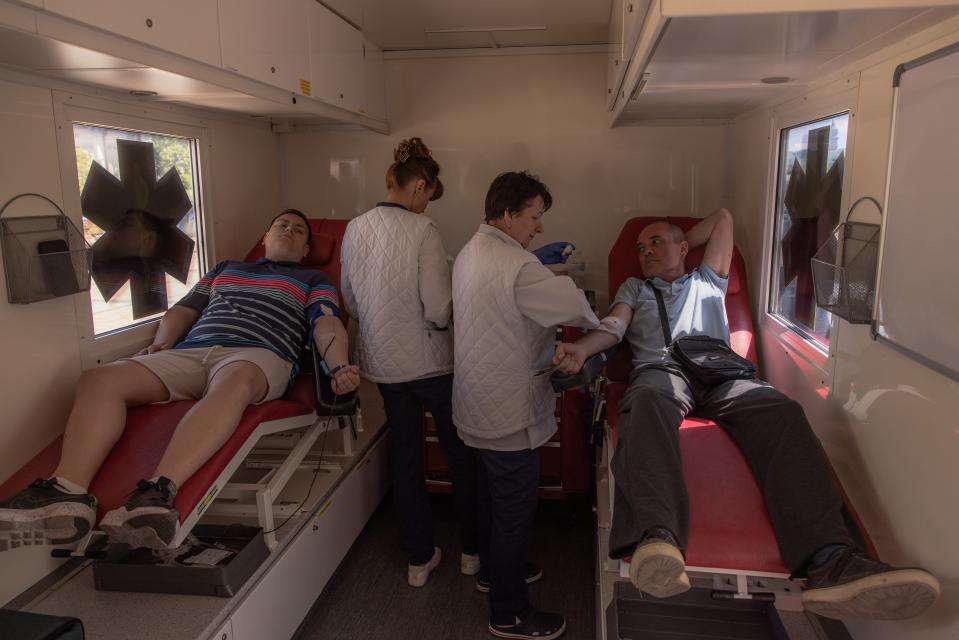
[(186, 373)]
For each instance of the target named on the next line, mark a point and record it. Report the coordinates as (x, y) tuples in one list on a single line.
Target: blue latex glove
[(555, 253)]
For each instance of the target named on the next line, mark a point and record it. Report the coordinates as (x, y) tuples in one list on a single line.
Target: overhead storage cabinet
[(186, 27), (374, 102), (336, 58), (625, 24), (351, 10), (268, 41), (616, 62), (634, 13), (207, 52)]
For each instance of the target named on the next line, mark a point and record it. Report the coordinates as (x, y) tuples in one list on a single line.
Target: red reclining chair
[(730, 532), (308, 403)]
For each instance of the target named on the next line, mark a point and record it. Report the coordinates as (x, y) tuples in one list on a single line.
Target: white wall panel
[(887, 423), (246, 186), (39, 342), (902, 415)]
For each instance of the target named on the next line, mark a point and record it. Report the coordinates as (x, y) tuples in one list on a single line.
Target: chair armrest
[(591, 368), (328, 404)]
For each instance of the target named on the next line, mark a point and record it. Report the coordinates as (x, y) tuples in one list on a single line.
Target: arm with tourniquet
[(330, 335), (569, 357)]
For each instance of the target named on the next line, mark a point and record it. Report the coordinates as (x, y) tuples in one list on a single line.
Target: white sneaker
[(418, 574), (657, 568), (469, 564)]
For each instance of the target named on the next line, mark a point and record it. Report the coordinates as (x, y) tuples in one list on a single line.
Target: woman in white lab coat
[(396, 281)]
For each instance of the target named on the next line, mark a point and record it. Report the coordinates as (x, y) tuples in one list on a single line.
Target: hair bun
[(412, 148)]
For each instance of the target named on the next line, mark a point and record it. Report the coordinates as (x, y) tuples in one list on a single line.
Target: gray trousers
[(773, 434)]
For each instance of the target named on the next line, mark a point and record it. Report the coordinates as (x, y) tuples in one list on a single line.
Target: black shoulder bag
[(708, 360)]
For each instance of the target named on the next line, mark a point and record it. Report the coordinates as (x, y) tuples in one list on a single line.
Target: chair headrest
[(322, 249), (695, 258), (623, 262)]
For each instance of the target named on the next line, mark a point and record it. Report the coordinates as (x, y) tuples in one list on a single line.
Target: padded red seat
[(148, 431), (729, 527), (150, 428)]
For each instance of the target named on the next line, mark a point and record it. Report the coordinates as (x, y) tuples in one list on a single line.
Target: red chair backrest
[(324, 253), (624, 263)]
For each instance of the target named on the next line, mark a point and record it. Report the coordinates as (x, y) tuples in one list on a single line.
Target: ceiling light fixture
[(775, 80), (140, 93), (482, 29)]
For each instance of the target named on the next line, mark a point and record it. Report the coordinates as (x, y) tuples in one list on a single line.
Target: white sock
[(70, 487)]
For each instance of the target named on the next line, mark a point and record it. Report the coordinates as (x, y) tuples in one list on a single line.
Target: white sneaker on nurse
[(418, 574)]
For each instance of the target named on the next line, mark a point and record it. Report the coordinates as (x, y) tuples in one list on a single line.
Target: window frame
[(70, 108), (838, 98)]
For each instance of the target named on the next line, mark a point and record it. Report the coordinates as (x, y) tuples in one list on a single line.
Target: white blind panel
[(918, 298)]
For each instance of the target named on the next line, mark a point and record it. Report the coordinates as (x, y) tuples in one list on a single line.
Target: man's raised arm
[(716, 232), (569, 357)]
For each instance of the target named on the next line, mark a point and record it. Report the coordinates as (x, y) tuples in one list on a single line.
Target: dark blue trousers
[(404, 402), (508, 484)]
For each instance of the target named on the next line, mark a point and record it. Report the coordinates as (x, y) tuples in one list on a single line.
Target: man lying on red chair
[(651, 510), (234, 340)]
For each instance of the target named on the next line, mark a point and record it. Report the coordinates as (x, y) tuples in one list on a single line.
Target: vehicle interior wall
[(485, 115), (887, 422), (40, 342)]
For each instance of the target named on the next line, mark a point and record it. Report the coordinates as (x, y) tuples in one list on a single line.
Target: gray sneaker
[(853, 585), (43, 513), (148, 519)]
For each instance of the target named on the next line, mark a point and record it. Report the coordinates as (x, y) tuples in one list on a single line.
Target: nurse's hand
[(569, 357), (346, 380)]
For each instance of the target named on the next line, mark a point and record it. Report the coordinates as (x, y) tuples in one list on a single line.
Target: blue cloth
[(695, 304), (555, 253)]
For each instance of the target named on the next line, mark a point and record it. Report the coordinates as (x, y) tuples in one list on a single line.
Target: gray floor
[(368, 596)]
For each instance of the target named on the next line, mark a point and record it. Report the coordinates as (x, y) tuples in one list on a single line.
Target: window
[(139, 195), (808, 201)]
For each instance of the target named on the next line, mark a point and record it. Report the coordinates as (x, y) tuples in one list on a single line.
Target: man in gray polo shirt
[(651, 506)]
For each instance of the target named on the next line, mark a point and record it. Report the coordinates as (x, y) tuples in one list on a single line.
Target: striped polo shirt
[(267, 304)]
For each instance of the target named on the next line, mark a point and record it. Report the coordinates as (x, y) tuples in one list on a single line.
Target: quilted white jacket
[(396, 281), (497, 349)]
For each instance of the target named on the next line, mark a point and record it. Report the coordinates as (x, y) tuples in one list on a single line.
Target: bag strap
[(663, 318)]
